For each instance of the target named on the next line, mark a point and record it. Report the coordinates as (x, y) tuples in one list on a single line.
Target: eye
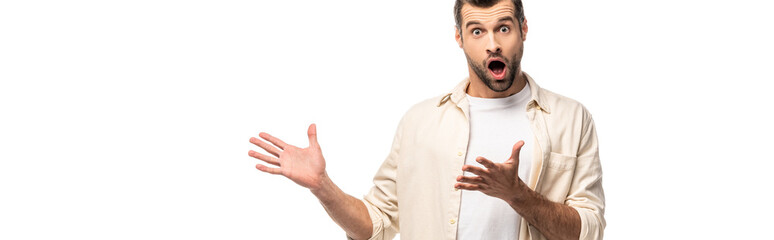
[(504, 29), (476, 32)]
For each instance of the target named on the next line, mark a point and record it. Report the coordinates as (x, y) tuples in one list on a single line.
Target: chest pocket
[(556, 178)]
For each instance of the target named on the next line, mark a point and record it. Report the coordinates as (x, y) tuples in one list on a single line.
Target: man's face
[(493, 43)]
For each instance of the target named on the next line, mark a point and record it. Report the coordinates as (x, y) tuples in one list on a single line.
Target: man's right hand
[(305, 166)]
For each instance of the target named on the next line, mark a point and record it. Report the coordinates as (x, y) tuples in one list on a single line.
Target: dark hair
[(519, 14)]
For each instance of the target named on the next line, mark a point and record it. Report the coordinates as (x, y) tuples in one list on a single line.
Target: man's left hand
[(500, 180)]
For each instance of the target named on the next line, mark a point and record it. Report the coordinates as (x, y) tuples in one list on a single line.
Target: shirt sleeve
[(586, 194), (382, 200)]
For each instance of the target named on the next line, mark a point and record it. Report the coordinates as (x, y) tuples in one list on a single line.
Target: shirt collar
[(458, 94)]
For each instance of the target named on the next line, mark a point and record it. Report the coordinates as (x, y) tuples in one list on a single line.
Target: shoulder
[(567, 122), (429, 104), (424, 109), (563, 106)]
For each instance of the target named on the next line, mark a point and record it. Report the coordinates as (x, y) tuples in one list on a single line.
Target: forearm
[(553, 220), (347, 211)]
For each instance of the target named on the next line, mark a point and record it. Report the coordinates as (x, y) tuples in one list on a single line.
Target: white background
[(131, 119)]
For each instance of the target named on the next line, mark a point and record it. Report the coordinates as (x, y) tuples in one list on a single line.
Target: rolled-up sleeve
[(382, 200), (586, 194)]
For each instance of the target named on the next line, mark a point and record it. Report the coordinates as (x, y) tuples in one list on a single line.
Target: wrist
[(520, 196), (323, 189)]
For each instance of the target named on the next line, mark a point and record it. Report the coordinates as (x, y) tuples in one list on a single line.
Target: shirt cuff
[(592, 226)]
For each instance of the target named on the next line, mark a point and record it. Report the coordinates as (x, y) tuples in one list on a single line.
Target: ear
[(457, 36), (524, 29)]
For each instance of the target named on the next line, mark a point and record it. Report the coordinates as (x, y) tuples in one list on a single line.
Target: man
[(462, 141)]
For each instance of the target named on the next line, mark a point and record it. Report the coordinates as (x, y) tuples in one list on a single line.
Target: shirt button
[(459, 154), (451, 221)]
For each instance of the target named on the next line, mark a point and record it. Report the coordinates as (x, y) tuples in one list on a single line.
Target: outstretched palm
[(305, 166)]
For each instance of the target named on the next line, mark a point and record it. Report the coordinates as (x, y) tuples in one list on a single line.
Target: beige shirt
[(414, 190)]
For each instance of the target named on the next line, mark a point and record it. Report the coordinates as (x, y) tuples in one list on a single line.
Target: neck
[(477, 88)]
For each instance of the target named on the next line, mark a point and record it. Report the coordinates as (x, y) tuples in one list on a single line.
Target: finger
[(488, 164), (269, 148), (312, 132), (475, 170), (268, 159), (470, 179), (266, 169), (516, 151), (279, 143), (467, 186)]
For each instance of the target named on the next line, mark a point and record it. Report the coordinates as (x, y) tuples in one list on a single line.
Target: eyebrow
[(502, 19)]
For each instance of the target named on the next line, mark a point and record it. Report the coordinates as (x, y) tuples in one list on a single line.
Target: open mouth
[(497, 68)]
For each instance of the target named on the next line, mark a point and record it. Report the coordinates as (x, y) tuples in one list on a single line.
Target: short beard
[(483, 73)]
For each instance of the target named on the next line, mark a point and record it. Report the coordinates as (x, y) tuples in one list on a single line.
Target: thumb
[(312, 132), (516, 151)]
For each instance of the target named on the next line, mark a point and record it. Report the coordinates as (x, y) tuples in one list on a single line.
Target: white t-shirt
[(496, 124)]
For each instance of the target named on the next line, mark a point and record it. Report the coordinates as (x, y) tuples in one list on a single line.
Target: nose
[(492, 46)]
